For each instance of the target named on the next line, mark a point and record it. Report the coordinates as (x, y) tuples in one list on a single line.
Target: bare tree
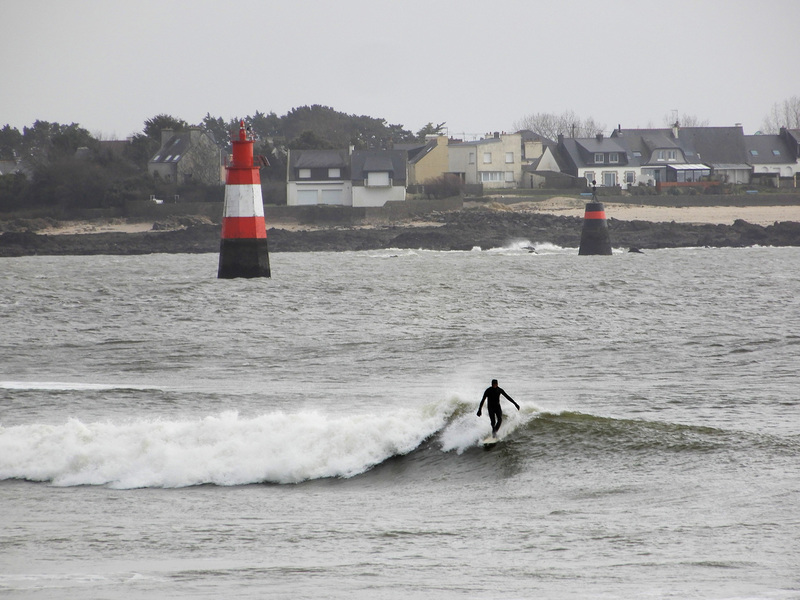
[(567, 123), (783, 114)]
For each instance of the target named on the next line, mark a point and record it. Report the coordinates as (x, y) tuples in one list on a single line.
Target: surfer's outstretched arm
[(480, 406), (510, 399)]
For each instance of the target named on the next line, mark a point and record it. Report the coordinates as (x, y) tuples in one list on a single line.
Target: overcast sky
[(478, 65)]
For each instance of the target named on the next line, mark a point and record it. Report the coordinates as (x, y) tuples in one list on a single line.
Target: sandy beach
[(714, 215)]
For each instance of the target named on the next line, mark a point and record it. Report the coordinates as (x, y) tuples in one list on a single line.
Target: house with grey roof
[(187, 156), (773, 157), (378, 177), (685, 155), (318, 177), (600, 159), (721, 148), (345, 177)]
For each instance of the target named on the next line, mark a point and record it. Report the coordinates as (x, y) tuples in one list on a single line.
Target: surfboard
[(489, 442)]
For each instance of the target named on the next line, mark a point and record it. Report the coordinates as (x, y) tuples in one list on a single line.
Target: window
[(589, 177), (509, 176), (334, 173), (613, 157), (667, 155), (472, 158), (491, 176), (304, 173), (509, 157), (378, 179), (630, 177), (776, 153), (753, 152), (487, 158), (637, 154), (609, 179), (598, 157)]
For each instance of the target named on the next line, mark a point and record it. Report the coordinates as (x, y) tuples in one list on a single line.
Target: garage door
[(305, 197), (331, 196)]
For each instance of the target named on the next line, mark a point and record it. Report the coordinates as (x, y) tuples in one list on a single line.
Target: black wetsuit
[(492, 396)]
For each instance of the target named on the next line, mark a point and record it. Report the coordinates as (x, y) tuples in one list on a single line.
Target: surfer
[(492, 394)]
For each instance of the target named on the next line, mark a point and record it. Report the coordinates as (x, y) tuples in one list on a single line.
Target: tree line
[(65, 167)]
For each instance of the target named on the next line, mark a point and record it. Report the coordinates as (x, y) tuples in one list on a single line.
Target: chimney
[(497, 135), (599, 137), (675, 130), (165, 135)]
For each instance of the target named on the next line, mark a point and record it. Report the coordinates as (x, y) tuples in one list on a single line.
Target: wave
[(284, 448), (57, 386)]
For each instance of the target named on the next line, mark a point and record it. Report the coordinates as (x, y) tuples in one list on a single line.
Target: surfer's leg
[(492, 420), (496, 419)]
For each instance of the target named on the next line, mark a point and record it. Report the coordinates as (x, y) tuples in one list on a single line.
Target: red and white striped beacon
[(243, 248)]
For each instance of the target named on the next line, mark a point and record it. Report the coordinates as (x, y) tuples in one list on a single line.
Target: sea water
[(165, 434)]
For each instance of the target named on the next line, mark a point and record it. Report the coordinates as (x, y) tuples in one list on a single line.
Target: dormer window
[(613, 157), (599, 157), (304, 173), (334, 173), (667, 155)]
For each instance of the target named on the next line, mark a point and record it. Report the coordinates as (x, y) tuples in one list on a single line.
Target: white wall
[(377, 196)]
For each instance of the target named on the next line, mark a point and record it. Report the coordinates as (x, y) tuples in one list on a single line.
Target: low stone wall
[(145, 209), (317, 214), (706, 200)]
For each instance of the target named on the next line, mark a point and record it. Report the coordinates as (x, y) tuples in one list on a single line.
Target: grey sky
[(479, 66)]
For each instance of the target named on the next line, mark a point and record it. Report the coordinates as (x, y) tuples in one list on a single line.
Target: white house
[(378, 176), (318, 177), (345, 177)]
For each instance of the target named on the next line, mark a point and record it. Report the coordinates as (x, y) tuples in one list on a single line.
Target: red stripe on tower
[(243, 249)]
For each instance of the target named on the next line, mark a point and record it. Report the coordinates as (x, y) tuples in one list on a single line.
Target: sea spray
[(223, 449)]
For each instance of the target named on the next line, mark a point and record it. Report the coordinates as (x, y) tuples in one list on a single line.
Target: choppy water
[(167, 434)]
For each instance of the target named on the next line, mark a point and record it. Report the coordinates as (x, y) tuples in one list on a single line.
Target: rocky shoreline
[(455, 230)]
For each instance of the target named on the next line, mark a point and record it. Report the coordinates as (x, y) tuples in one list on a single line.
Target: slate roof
[(580, 151), (175, 147), (715, 146), (326, 159), (767, 150), (602, 145), (417, 154), (393, 161)]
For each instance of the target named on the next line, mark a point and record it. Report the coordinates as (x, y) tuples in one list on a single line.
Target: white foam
[(465, 430), (222, 449)]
